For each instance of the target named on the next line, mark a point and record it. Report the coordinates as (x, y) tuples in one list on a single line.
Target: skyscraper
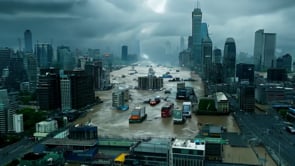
[(264, 50), (196, 36), (5, 55), (285, 62), (44, 53), (229, 59), (217, 55), (206, 57), (28, 41), (124, 53), (65, 58)]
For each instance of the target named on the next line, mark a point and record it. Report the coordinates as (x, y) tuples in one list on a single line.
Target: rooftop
[(188, 144)]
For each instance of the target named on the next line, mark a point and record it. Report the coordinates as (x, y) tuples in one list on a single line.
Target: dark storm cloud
[(19, 6), (112, 23)]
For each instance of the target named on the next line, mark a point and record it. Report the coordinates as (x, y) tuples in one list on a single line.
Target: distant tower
[(196, 36), (206, 57), (28, 41), (124, 53), (264, 50), (44, 53), (217, 55), (181, 43), (229, 59)]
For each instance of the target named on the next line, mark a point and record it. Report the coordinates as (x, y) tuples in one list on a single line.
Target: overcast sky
[(158, 24)]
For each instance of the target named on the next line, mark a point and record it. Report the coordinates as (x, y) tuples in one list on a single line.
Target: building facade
[(18, 123), (28, 41), (245, 72), (229, 60), (285, 62), (264, 50), (206, 51), (124, 53), (44, 54), (196, 36), (48, 89)]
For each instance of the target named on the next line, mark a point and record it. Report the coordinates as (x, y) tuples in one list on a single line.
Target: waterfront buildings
[(187, 152), (150, 81), (264, 50)]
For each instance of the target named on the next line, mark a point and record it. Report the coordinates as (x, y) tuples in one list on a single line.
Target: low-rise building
[(188, 152)]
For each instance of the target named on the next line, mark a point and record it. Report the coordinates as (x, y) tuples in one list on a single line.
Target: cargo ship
[(138, 115)]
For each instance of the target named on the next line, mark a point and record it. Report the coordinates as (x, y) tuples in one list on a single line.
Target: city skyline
[(111, 24)]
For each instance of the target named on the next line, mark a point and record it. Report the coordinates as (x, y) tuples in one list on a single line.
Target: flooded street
[(112, 122)]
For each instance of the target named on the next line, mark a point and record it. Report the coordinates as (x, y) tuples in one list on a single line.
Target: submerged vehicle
[(166, 111), (155, 101), (178, 117), (187, 109), (138, 115)]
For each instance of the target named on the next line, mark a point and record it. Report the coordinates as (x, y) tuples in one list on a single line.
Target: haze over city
[(157, 24)]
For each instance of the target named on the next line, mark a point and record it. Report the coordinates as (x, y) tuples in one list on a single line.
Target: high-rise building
[(217, 57), (65, 93), (17, 73), (32, 71), (229, 59), (48, 89), (82, 91), (4, 106), (285, 62), (264, 50), (124, 53), (181, 43), (44, 53), (196, 36), (28, 41), (3, 119), (18, 123), (5, 54), (206, 57), (65, 58), (245, 72), (246, 95)]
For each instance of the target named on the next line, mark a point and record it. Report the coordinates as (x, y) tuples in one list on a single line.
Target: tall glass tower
[(196, 36), (264, 50), (28, 41), (229, 59)]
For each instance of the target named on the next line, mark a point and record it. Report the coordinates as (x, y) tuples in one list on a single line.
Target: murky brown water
[(111, 122)]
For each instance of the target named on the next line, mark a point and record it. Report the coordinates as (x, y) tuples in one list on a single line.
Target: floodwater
[(114, 123)]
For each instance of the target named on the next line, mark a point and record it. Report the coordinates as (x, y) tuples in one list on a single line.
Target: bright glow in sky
[(158, 6)]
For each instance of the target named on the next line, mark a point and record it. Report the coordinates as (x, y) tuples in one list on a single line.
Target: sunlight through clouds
[(158, 6)]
